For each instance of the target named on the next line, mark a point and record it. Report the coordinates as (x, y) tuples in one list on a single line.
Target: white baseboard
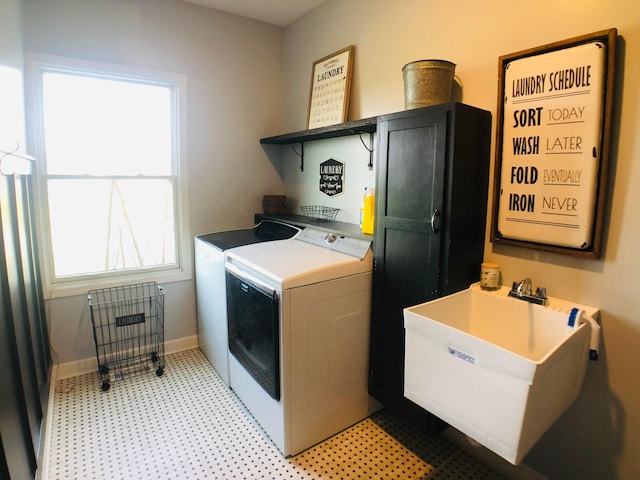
[(88, 365), (514, 472)]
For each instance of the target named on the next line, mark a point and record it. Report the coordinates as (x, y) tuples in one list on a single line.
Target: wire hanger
[(13, 153)]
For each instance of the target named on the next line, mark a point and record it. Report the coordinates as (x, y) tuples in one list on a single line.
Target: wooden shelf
[(366, 125)]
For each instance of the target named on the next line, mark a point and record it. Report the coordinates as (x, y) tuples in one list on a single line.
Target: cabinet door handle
[(435, 221)]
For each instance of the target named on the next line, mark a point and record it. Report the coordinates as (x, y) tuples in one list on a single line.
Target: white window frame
[(35, 66)]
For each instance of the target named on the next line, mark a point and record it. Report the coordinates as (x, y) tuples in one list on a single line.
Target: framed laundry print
[(330, 89), (552, 145)]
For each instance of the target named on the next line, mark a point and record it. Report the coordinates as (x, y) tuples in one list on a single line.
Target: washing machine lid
[(297, 262), (265, 231)]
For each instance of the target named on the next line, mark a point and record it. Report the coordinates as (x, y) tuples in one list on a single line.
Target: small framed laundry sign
[(552, 145), (332, 177), (330, 89)]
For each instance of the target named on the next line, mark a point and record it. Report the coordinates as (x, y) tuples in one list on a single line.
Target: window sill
[(82, 287)]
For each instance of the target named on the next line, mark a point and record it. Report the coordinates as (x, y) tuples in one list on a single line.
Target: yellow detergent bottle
[(362, 206), (368, 214)]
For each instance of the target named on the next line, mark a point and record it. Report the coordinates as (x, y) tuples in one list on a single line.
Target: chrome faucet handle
[(524, 287), (523, 290)]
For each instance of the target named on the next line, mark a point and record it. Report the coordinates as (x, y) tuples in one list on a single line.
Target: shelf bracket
[(301, 154), (369, 149)]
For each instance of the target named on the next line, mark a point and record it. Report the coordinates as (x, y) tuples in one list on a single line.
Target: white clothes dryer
[(299, 319)]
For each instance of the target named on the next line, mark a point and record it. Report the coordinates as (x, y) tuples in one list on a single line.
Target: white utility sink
[(499, 369)]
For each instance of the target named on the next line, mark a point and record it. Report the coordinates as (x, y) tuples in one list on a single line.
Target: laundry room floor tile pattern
[(188, 425)]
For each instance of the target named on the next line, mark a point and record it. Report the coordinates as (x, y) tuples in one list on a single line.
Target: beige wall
[(599, 436), (11, 93), (11, 34), (234, 94)]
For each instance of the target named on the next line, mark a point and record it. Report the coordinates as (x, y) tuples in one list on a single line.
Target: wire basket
[(319, 213), (128, 330)]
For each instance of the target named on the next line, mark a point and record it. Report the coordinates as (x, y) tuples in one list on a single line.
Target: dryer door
[(253, 316)]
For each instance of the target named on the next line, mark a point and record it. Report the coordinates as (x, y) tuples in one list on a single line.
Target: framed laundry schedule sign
[(552, 145), (330, 89)]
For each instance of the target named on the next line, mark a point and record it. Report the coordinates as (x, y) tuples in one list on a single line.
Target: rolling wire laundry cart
[(128, 330)]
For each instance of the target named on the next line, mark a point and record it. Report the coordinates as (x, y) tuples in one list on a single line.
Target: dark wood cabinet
[(431, 210)]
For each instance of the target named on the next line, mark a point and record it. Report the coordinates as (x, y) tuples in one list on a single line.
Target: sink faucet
[(524, 287), (524, 291)]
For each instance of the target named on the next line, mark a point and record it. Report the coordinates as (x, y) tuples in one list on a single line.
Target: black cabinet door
[(408, 235), (431, 193)]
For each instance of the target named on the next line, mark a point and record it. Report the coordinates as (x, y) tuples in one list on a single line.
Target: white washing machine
[(299, 317)]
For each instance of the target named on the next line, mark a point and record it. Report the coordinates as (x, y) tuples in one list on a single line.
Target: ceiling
[(276, 12)]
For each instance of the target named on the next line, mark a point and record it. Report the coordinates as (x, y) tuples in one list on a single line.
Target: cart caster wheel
[(159, 371), (154, 357), (103, 370), (105, 386)]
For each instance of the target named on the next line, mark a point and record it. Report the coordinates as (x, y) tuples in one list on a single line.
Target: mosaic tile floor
[(188, 425)]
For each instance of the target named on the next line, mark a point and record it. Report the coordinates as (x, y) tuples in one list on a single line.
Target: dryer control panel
[(356, 247)]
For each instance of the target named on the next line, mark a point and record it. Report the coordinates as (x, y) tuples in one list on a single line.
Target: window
[(109, 171)]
